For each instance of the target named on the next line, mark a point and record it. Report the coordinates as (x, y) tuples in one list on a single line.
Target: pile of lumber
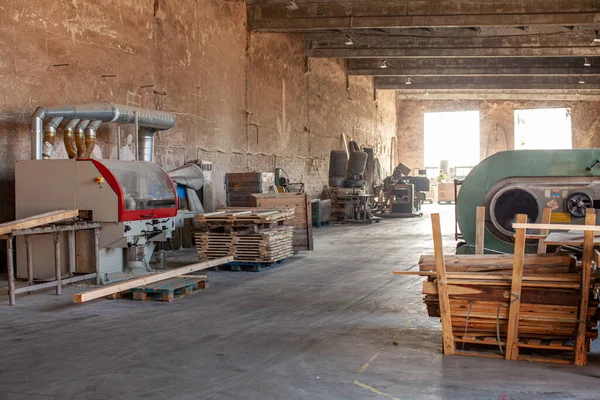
[(254, 235), (244, 217), (302, 221), (479, 289), (538, 307)]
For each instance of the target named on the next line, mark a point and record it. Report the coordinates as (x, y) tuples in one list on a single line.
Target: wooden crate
[(302, 221), (240, 186), (446, 192)]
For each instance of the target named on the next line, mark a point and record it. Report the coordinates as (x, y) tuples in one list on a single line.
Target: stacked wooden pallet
[(245, 217), (247, 235), (302, 221), (518, 307)]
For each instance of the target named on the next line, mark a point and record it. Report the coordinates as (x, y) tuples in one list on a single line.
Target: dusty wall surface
[(246, 102), (496, 127), (298, 109)]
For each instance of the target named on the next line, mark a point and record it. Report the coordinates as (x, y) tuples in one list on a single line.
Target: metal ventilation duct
[(149, 121)]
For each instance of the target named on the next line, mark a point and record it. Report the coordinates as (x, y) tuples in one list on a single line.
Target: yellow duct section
[(80, 137), (90, 138), (69, 138)]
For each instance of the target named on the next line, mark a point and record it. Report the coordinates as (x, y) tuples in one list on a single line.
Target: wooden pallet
[(245, 217), (166, 290), (269, 245), (249, 265)]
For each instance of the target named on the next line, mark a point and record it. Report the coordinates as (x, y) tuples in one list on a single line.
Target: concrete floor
[(329, 324)]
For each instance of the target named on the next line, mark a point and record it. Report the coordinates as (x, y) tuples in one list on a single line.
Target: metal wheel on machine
[(577, 203)]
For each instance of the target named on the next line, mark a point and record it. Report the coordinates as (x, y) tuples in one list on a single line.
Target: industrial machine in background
[(402, 195), (136, 201), (525, 182), (284, 185), (350, 200)]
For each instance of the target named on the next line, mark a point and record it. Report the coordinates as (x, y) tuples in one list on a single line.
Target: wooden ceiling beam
[(481, 82)]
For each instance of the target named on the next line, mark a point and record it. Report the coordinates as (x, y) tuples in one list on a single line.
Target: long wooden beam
[(574, 66), (488, 94), (450, 40), (482, 82), (37, 220), (578, 71), (474, 63), (470, 52), (290, 23), (146, 280)]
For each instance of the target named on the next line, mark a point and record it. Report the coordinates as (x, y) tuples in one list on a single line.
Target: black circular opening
[(513, 202)]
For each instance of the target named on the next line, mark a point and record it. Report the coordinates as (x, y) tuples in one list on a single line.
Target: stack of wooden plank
[(520, 307), (248, 235), (480, 288), (302, 221), (244, 218)]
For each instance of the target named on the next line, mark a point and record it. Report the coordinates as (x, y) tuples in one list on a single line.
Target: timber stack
[(249, 235), (538, 307)]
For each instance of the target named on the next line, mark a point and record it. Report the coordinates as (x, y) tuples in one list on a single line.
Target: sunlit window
[(451, 137), (543, 129)]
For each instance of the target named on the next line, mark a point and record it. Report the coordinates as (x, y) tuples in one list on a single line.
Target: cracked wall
[(246, 102)]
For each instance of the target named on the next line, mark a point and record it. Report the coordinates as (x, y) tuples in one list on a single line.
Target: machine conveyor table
[(567, 239), (55, 230)]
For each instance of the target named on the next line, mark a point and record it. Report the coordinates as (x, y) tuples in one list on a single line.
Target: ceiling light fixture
[(581, 79), (587, 63), (597, 38), (291, 5), (384, 64), (348, 41)]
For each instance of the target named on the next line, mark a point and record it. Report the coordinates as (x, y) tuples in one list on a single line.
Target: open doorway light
[(452, 136), (543, 129)]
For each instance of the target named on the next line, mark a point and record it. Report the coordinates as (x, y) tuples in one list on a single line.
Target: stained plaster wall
[(245, 101)]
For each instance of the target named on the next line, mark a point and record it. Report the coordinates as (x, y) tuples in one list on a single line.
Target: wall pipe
[(103, 112)]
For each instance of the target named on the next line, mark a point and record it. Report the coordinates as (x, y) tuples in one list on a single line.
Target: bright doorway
[(543, 129), (452, 136)]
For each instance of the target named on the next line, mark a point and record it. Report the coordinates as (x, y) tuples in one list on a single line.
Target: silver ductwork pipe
[(146, 143), (149, 121), (49, 136)]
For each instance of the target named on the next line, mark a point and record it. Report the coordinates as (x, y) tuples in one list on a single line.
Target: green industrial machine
[(525, 182)]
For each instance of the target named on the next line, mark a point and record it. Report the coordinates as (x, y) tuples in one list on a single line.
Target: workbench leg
[(57, 266), (72, 265), (97, 254), (29, 251), (10, 271)]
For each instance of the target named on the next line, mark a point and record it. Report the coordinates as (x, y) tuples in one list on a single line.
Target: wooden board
[(480, 230), (302, 221), (586, 273), (37, 220), (546, 218), (567, 239), (438, 246), (512, 339), (146, 280)]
